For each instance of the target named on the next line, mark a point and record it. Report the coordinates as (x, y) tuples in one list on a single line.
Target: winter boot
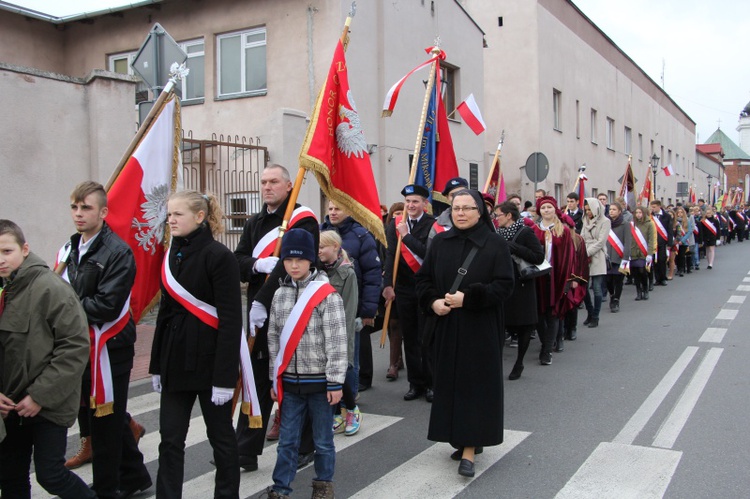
[(322, 490), (614, 305), (273, 432), (83, 456)]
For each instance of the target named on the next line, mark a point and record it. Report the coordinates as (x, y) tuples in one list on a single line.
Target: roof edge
[(35, 14)]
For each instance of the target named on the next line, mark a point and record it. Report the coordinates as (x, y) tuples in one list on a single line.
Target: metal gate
[(230, 168)]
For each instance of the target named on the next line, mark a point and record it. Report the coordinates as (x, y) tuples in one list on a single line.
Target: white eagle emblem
[(349, 135), (151, 233)]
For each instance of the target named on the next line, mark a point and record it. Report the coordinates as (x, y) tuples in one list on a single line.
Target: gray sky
[(700, 44)]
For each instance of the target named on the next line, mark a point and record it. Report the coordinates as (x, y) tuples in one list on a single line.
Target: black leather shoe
[(515, 373), (413, 393), (305, 459), (428, 395), (594, 323), (458, 453), (249, 463), (587, 321), (466, 468), (131, 490)]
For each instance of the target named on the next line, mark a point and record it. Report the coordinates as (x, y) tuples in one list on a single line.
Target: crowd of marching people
[(450, 290)]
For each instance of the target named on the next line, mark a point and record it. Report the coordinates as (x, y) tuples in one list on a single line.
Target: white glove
[(258, 316), (220, 396), (265, 265), (156, 382), (649, 259)]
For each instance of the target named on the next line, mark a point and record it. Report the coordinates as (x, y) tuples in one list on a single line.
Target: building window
[(578, 119), (640, 147), (473, 175), (593, 126), (611, 196), (677, 163), (610, 133), (240, 205), (594, 192), (556, 109), (448, 87), (628, 140), (193, 86), (559, 195), (242, 63), (122, 64)]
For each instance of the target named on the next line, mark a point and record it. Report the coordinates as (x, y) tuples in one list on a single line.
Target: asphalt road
[(653, 403)]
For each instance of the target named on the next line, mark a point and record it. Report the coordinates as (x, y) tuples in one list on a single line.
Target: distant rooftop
[(731, 150)]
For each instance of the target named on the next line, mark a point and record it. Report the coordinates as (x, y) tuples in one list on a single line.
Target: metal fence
[(228, 167)]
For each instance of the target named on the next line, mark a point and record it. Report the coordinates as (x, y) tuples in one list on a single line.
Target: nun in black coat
[(467, 410)]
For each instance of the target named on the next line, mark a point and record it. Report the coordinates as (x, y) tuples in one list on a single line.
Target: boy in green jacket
[(44, 347)]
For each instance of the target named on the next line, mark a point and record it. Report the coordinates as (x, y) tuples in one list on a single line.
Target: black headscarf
[(484, 215)]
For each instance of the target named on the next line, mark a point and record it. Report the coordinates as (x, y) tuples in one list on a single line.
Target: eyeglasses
[(458, 209)]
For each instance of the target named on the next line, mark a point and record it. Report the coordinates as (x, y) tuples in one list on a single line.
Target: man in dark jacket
[(44, 346), (664, 238), (574, 211), (414, 229), (262, 271), (101, 268), (363, 251)]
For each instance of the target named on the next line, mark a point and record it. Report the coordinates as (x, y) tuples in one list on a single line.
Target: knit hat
[(545, 200), (454, 183), (298, 243)]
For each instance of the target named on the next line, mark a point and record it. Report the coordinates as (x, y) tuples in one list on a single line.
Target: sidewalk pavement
[(144, 338)]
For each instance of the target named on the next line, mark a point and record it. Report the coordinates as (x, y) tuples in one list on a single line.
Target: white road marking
[(638, 421), (713, 335), (432, 474), (672, 427), (736, 299), (743, 288), (622, 471), (136, 405), (726, 314)]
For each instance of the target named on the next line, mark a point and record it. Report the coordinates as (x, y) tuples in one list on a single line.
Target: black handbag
[(528, 270)]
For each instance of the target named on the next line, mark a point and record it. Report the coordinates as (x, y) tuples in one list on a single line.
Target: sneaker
[(545, 359), (353, 420), (513, 343), (339, 422)]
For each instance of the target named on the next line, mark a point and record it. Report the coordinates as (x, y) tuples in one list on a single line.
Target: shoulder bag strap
[(463, 269)]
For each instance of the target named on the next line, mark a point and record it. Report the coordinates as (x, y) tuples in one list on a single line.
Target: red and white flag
[(137, 201), (469, 111), (668, 170)]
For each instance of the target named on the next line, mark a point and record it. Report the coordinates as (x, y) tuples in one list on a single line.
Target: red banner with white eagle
[(335, 149), (137, 201)]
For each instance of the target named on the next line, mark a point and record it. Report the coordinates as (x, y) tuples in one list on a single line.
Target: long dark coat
[(188, 354), (468, 373), (521, 308)]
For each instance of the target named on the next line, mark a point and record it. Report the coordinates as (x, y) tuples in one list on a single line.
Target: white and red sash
[(412, 260), (639, 239), (696, 229), (439, 228), (709, 226), (730, 223), (659, 228), (207, 314), (315, 292), (615, 242), (741, 215), (102, 395), (267, 243)]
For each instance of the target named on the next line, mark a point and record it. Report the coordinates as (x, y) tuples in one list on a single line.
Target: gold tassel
[(92, 402), (105, 409), (255, 422)]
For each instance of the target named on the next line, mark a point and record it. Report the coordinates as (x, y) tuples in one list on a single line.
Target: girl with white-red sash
[(710, 233), (642, 248), (195, 352)]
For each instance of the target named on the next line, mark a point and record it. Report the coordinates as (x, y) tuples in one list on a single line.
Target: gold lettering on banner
[(330, 113)]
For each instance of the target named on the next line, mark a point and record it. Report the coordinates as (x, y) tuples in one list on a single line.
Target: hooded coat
[(44, 342), (467, 409), (595, 232)]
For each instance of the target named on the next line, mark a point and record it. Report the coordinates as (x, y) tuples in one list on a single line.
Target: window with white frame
[(241, 63), (593, 126), (193, 85), (448, 87), (122, 63), (610, 133), (628, 140), (556, 108), (240, 205)]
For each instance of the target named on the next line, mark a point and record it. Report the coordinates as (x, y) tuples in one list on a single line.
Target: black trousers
[(250, 441), (660, 265), (47, 441), (366, 369), (548, 327), (117, 462), (174, 419), (412, 325)]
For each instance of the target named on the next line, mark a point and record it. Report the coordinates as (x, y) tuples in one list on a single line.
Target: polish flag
[(470, 113), (668, 170), (137, 201)]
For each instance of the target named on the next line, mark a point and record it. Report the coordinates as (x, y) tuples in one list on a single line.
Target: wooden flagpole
[(292, 200), (412, 175), (495, 163)]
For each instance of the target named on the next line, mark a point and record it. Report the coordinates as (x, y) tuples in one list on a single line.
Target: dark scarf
[(617, 221), (509, 233)]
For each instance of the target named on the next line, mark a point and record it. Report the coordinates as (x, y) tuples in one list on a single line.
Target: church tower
[(744, 129)]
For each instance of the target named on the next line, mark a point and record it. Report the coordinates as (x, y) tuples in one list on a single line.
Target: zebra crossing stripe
[(253, 483), (431, 473), (136, 406)]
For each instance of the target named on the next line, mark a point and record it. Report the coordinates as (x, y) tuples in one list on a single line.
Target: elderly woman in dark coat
[(521, 309), (467, 410)]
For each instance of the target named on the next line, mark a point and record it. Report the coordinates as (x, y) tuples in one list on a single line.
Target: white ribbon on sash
[(709, 226), (412, 260), (640, 240), (659, 228), (267, 243), (208, 314), (615, 242)]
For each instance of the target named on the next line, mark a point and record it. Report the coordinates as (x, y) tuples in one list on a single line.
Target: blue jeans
[(596, 282), (48, 441), (295, 409), (696, 256)]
